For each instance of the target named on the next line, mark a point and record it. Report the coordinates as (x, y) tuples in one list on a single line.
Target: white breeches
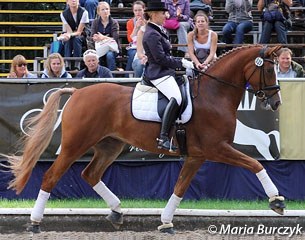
[(169, 87)]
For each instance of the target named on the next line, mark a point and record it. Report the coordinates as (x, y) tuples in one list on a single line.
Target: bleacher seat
[(28, 27)]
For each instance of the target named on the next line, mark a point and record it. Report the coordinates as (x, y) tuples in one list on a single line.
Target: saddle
[(148, 104)]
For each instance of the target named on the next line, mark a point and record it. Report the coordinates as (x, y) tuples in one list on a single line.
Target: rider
[(160, 67)]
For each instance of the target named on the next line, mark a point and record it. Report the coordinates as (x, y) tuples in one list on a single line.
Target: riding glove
[(187, 63)]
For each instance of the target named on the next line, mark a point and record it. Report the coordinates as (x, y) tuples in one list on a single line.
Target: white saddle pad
[(145, 100)]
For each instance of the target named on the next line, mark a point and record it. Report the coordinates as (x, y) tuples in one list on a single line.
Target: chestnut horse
[(99, 117)]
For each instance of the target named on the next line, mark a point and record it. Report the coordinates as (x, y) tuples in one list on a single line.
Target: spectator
[(286, 68), (54, 67), (202, 42), (140, 58), (19, 68), (299, 14), (180, 9), (90, 6), (105, 27), (74, 19), (133, 26), (273, 18), (160, 69), (240, 20), (93, 69), (201, 6)]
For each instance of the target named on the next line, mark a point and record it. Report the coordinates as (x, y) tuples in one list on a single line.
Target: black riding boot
[(170, 115)]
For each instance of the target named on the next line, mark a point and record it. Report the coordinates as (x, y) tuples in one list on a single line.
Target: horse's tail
[(40, 132)]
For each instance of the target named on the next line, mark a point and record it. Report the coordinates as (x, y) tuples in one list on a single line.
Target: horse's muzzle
[(272, 104)]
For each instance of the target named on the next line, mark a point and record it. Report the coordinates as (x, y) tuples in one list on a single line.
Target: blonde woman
[(19, 68), (105, 27), (54, 67), (160, 69), (202, 42)]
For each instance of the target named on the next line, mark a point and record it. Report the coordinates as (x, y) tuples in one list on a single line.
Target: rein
[(218, 79), (261, 93)]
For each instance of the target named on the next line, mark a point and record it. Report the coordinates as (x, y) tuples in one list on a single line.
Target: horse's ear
[(273, 50)]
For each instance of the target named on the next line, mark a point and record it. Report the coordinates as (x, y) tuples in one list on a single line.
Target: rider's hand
[(187, 63)]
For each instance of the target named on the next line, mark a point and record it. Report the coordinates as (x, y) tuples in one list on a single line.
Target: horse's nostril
[(276, 105)]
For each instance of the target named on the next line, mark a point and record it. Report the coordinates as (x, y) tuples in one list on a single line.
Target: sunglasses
[(89, 52), (22, 64)]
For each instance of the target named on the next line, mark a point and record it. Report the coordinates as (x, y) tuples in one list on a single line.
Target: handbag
[(103, 47), (171, 23)]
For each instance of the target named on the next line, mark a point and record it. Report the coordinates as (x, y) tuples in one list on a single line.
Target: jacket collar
[(157, 28)]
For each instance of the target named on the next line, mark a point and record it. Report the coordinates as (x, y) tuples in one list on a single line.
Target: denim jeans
[(130, 53), (182, 35), (90, 6), (73, 47), (279, 28), (109, 60), (138, 68), (238, 28)]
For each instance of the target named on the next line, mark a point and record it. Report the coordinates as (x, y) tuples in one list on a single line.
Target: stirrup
[(167, 144)]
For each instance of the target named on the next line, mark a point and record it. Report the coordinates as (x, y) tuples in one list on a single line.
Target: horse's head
[(262, 77)]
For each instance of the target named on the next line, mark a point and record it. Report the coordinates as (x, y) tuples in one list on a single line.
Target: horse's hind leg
[(105, 152), (187, 173)]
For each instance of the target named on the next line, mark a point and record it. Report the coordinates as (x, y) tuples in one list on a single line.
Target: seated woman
[(54, 67), (19, 68), (202, 42), (105, 27), (74, 19), (133, 26), (140, 58), (240, 21), (180, 10)]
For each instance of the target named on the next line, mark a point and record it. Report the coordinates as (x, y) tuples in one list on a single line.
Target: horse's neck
[(225, 80)]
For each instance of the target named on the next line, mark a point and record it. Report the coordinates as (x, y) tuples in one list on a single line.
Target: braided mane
[(227, 53)]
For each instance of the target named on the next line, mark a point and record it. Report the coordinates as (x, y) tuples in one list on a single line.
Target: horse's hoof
[(277, 204), (167, 228), (34, 228), (116, 219)]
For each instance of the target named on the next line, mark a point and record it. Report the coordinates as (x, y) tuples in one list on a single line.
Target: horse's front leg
[(227, 154), (105, 152), (187, 173)]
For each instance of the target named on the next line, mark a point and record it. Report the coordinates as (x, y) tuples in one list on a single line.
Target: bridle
[(262, 92)]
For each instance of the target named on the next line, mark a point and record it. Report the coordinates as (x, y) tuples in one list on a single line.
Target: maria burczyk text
[(261, 229)]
